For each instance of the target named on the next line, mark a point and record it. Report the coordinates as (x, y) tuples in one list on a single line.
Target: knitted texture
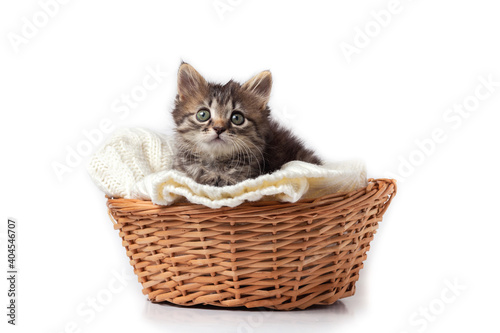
[(136, 164)]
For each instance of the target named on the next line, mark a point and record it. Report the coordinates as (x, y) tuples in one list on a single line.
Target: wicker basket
[(259, 254)]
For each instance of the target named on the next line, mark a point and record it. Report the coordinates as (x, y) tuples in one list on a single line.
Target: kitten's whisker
[(249, 151), (245, 152), (236, 145), (262, 156)]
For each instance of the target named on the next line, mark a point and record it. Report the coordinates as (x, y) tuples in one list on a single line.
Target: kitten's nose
[(219, 130)]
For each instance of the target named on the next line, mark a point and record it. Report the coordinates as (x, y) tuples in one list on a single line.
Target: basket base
[(255, 305)]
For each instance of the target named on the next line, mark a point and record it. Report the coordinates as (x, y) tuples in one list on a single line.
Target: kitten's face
[(221, 120)]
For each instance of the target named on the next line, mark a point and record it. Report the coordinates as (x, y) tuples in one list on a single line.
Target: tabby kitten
[(224, 133)]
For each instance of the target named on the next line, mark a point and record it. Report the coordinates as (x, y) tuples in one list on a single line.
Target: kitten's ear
[(260, 85), (189, 81)]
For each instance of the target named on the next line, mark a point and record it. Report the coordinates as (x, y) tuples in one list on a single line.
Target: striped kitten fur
[(224, 133)]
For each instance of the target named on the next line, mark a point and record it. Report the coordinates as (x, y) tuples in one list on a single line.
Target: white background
[(69, 74)]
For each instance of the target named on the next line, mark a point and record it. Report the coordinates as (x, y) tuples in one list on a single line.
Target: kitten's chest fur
[(217, 170)]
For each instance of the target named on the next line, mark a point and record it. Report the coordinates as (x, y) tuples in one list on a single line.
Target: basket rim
[(387, 183)]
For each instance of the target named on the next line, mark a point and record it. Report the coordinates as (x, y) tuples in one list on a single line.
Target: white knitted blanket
[(136, 164)]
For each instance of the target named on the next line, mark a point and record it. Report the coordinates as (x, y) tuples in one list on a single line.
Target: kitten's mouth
[(217, 139), (217, 142)]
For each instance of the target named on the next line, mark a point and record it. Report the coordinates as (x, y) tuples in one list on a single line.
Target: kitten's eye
[(203, 115), (237, 118)]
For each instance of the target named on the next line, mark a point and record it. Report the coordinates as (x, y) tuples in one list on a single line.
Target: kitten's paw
[(224, 182), (216, 180)]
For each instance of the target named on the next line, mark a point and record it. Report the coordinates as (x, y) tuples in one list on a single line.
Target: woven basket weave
[(259, 254)]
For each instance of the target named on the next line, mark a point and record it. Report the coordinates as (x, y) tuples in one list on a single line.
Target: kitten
[(224, 133)]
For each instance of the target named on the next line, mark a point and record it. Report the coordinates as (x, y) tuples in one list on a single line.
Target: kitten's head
[(221, 119)]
